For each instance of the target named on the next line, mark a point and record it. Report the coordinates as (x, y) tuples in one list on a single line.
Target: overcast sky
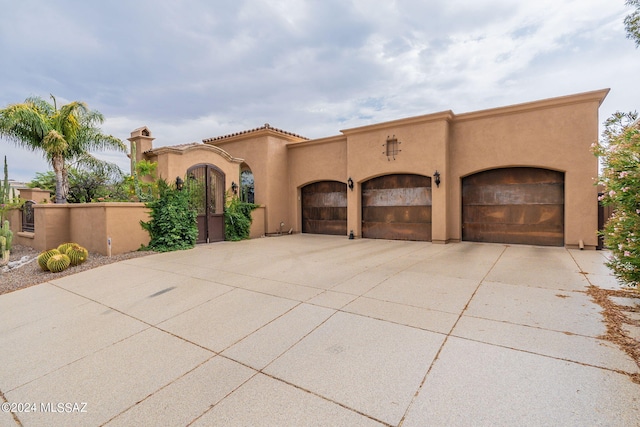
[(195, 69)]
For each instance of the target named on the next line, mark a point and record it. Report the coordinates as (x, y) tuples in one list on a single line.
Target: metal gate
[(206, 182), (324, 208), (514, 205), (397, 207)]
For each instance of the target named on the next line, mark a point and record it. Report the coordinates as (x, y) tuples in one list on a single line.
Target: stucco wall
[(324, 160), (265, 152), (88, 224), (547, 135)]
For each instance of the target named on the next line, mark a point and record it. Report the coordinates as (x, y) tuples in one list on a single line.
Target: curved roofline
[(194, 146)]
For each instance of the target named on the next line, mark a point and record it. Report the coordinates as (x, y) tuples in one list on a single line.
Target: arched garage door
[(397, 207), (324, 208), (514, 205)]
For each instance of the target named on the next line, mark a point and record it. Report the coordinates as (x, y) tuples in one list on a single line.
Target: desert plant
[(64, 246), (6, 232), (58, 263), (44, 257), (77, 254), (4, 252)]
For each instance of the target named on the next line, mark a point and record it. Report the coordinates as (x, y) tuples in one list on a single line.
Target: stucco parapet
[(597, 96), (88, 205), (266, 130), (319, 141), (441, 116), (195, 146)]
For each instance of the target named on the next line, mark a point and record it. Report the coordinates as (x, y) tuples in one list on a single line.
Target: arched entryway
[(324, 208), (397, 207), (514, 205), (207, 184)]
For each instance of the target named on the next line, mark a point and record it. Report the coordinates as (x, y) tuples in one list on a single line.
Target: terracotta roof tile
[(266, 126)]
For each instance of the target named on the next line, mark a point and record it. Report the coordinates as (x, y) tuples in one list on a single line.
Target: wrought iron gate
[(207, 186)]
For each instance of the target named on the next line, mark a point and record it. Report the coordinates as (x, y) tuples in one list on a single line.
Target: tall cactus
[(5, 187), (6, 232), (4, 252)]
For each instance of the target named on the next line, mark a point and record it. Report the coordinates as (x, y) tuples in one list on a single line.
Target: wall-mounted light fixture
[(234, 187), (350, 183), (436, 176), (179, 183)]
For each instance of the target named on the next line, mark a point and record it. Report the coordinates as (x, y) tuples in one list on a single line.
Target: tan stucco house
[(521, 174)]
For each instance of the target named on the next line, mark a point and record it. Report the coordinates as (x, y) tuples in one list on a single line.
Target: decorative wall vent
[(391, 147)]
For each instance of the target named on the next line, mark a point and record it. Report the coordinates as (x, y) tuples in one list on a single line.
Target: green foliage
[(620, 156), (138, 190), (632, 22), (6, 232), (44, 257), (63, 135), (58, 263), (173, 223), (237, 219)]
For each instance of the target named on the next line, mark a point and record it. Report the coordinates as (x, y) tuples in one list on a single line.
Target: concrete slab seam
[(435, 359)]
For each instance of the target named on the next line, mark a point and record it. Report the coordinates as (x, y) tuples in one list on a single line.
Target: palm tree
[(63, 135)]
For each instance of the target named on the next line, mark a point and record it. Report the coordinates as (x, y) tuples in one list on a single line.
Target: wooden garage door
[(324, 208), (514, 205), (397, 207)]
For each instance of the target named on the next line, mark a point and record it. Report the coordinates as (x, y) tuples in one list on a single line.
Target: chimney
[(143, 141)]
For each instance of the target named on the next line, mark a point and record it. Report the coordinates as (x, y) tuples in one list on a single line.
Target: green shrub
[(620, 155), (237, 219), (173, 223)]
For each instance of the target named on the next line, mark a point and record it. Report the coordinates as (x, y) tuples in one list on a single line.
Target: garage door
[(397, 207), (324, 208), (514, 205)]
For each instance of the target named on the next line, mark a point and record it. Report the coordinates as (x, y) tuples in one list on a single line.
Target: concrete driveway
[(319, 330)]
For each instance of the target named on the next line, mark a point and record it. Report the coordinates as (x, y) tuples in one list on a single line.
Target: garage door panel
[(538, 214), (394, 214), (337, 228), (516, 234), (399, 231), (397, 207), (417, 196), (324, 208), (514, 205), (325, 213), (325, 199), (508, 194), (517, 175)]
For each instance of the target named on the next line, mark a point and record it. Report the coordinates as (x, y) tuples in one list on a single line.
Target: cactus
[(6, 232), (4, 252), (44, 257), (77, 254), (64, 247), (58, 263)]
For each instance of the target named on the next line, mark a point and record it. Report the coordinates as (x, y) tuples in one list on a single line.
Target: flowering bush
[(620, 155)]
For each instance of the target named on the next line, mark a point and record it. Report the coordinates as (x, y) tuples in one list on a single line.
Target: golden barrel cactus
[(58, 263)]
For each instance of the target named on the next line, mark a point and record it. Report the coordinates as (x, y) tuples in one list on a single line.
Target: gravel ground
[(31, 273)]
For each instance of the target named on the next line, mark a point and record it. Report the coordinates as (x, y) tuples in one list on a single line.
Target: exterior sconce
[(179, 183), (350, 183), (234, 187), (436, 175)]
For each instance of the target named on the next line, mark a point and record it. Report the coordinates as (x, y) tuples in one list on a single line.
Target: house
[(520, 174)]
